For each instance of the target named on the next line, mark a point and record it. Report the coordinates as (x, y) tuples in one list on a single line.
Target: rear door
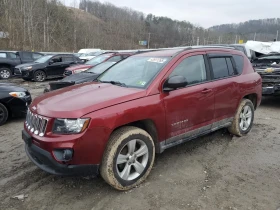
[(14, 57), (225, 87), (26, 57), (55, 67), (67, 60)]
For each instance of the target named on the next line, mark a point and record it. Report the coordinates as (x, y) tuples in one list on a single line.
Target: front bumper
[(44, 160), (19, 106)]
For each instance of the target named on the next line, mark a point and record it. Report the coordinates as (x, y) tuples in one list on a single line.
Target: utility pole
[(255, 36), (277, 35), (149, 40), (219, 39), (197, 41), (235, 39)]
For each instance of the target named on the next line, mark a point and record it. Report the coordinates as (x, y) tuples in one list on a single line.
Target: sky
[(205, 13)]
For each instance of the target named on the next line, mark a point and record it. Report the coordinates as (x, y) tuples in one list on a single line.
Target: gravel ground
[(217, 171)]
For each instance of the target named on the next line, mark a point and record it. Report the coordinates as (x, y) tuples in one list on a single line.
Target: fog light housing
[(63, 154)]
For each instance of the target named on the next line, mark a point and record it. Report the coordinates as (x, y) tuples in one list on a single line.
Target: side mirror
[(51, 62), (174, 83)]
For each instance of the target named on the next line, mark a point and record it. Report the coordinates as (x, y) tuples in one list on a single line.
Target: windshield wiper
[(113, 83)]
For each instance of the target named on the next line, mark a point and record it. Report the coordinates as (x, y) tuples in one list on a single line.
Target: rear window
[(239, 62)]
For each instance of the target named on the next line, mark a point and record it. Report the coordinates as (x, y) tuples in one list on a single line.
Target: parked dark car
[(86, 76), (46, 67), (108, 56), (10, 59), (14, 101)]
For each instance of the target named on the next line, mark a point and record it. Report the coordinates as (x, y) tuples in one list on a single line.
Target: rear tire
[(39, 76), (244, 118), (128, 158), (5, 73), (4, 114)]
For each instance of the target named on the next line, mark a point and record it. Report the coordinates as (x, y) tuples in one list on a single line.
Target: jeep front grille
[(35, 123)]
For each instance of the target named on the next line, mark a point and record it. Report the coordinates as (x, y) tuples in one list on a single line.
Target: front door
[(189, 110), (225, 87)]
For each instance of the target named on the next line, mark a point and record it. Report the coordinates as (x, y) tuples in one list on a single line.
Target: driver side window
[(192, 68), (57, 59)]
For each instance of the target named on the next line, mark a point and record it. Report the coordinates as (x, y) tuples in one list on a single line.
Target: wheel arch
[(6, 65), (8, 108), (43, 70), (147, 125), (252, 97)]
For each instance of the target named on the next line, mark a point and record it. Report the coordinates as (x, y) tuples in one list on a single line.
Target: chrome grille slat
[(35, 123)]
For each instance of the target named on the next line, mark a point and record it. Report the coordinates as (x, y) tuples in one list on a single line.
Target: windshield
[(135, 71), (98, 59), (43, 59), (99, 69)]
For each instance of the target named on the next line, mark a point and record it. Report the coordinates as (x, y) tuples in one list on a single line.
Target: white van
[(89, 50)]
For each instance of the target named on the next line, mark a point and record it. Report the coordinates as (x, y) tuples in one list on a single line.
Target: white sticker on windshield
[(157, 60)]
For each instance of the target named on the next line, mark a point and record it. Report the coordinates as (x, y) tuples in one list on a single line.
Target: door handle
[(205, 91)]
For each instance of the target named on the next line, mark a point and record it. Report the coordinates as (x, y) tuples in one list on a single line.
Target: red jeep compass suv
[(141, 106)]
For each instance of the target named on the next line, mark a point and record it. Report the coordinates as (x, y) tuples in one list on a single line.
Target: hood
[(78, 100), (77, 67), (30, 64), (80, 77), (9, 87)]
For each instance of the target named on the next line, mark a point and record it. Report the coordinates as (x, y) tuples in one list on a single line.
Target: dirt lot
[(217, 171)]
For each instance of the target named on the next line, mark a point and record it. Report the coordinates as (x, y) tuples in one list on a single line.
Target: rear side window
[(220, 68), (239, 62), (27, 55), (67, 59), (3, 55)]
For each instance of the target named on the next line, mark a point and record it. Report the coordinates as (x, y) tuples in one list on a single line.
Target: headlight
[(18, 94), (27, 68), (79, 70), (70, 126)]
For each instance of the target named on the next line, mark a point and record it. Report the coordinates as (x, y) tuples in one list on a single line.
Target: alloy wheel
[(5, 74), (132, 159), (245, 118), (40, 76), (1, 114)]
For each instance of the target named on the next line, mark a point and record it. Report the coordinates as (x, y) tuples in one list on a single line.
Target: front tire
[(243, 120), (4, 114), (5, 73), (39, 76), (128, 158)]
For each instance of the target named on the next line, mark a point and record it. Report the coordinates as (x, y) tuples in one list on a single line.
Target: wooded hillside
[(47, 25)]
